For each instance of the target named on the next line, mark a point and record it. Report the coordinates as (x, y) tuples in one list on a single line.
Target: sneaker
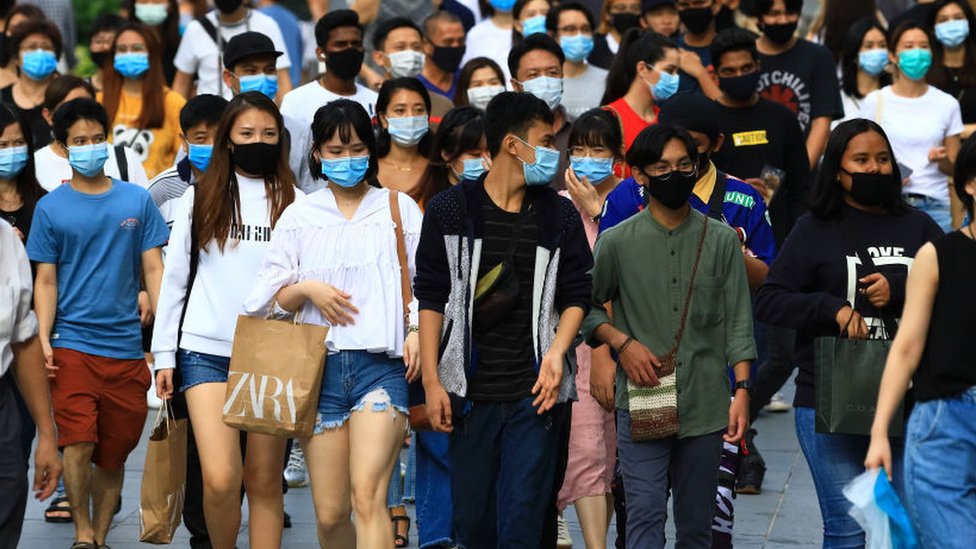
[(777, 405), (295, 472), (563, 541), (154, 401), (752, 468)]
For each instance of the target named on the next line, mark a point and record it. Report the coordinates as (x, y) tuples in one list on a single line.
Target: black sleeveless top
[(948, 366)]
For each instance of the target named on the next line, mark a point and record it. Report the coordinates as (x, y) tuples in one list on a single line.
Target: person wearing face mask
[(37, 44), (19, 189), (530, 18), (86, 311), (571, 25), (661, 16), (15, 15), (617, 17), (797, 73), (698, 20), (144, 113), (340, 42), (537, 68), (101, 38), (249, 64), (328, 256), (492, 38), (954, 57), (923, 122), (820, 285), (698, 263), (199, 57), (512, 230), (163, 17), (403, 139), (479, 81), (445, 46), (862, 65)]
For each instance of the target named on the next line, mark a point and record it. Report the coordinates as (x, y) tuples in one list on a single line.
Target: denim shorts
[(354, 379), (197, 368)]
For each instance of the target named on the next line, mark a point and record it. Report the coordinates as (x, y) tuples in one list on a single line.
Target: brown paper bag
[(163, 479), (275, 377)]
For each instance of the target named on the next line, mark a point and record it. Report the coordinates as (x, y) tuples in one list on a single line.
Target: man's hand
[(691, 64), (47, 467), (164, 383), (48, 357), (738, 418), (851, 323), (411, 356), (639, 364), (878, 291), (145, 309), (546, 388), (438, 407), (603, 376)]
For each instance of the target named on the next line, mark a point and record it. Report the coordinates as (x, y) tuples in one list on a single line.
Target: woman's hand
[(583, 193), (411, 356), (879, 454), (878, 290), (164, 384), (938, 154), (546, 389), (333, 303), (438, 407), (603, 375), (851, 323)]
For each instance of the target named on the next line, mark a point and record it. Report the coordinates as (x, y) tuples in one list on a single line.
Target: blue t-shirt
[(743, 208), (291, 31), (434, 89), (96, 242)]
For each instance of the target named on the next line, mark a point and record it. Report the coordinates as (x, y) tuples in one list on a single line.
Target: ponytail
[(636, 46)]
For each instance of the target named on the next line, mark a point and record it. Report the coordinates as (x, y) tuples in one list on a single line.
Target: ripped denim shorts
[(359, 380)]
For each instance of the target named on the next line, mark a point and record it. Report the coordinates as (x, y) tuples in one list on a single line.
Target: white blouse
[(314, 241)]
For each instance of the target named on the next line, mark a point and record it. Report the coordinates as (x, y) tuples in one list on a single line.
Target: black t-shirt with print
[(804, 80)]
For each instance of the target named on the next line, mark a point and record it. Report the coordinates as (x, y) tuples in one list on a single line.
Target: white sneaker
[(295, 473), (777, 405), (563, 541), (152, 400)]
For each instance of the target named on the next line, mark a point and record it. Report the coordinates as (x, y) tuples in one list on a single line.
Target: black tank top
[(948, 366)]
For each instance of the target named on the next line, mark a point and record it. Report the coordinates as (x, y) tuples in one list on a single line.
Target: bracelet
[(623, 347), (413, 328)]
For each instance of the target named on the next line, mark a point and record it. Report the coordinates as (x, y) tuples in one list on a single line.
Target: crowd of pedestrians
[(568, 253)]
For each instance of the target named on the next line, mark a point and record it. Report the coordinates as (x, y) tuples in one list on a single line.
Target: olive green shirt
[(643, 269)]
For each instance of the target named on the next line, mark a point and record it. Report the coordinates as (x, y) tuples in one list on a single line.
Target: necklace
[(408, 168)]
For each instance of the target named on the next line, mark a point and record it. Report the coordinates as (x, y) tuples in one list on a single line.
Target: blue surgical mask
[(952, 33), (347, 171), (12, 161), (473, 168), (88, 160), (667, 85), (594, 170), (577, 47), (39, 64), (264, 83), (914, 63), (534, 25), (199, 155), (502, 5), (544, 169), (132, 65), (873, 61), (546, 88), (408, 130)]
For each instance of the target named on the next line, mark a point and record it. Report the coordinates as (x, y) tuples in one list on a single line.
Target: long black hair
[(636, 46), (965, 173), (28, 188), (828, 197), (461, 130), (343, 116), (852, 51), (389, 88), (939, 75)]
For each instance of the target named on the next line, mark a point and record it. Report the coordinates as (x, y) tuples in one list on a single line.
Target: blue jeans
[(940, 480), (834, 461), (434, 516), (196, 368), (355, 379), (937, 209), (502, 458)]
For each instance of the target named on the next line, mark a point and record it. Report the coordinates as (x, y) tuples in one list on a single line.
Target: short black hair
[(597, 128), (552, 18), (434, 18), (733, 39), (512, 112), (78, 109), (345, 117), (60, 87), (649, 145), (206, 108), (333, 20), (106, 22), (538, 41), (965, 172), (34, 26), (386, 27), (762, 7)]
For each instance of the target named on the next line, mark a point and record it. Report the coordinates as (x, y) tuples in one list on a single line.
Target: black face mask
[(99, 57), (448, 59), (673, 192), (623, 22), (780, 34), (344, 63), (739, 88), (696, 20), (227, 6), (258, 159), (872, 189)]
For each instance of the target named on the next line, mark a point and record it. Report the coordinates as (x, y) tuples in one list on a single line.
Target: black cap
[(247, 44), (647, 5), (692, 111)]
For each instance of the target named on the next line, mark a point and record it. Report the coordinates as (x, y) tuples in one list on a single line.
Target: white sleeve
[(274, 33), (301, 138), (279, 268), (868, 108), (25, 323), (186, 59), (955, 125), (137, 173), (412, 219), (172, 291)]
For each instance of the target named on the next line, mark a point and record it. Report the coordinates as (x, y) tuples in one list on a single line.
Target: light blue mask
[(12, 161), (408, 130), (88, 160), (473, 168), (915, 63), (502, 5), (952, 33), (534, 25), (199, 156), (131, 65), (266, 84), (39, 64), (544, 169), (546, 88), (593, 169), (667, 85), (577, 47), (347, 171), (873, 61)]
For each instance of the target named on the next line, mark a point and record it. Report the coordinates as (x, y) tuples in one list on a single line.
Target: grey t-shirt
[(583, 92)]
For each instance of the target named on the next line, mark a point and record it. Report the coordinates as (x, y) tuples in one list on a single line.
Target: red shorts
[(100, 400)]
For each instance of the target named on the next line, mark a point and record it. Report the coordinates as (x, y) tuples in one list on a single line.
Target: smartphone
[(904, 171)]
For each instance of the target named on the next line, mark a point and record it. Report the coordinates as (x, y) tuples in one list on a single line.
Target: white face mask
[(406, 63), (546, 88), (480, 97)]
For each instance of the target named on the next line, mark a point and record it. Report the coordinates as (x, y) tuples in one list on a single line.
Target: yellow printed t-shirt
[(157, 147)]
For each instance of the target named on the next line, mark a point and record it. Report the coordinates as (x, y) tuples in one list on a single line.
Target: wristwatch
[(745, 384)]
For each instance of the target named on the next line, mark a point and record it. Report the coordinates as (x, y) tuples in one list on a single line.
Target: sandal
[(400, 540), (59, 511), (84, 545)]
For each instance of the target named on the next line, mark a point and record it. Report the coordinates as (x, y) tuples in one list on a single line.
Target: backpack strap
[(209, 27), (211, 30), (122, 162)]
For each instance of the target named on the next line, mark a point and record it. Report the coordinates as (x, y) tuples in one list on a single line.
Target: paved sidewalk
[(785, 515)]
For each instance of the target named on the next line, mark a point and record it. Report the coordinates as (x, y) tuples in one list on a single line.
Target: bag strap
[(211, 31), (888, 321), (691, 285), (194, 263), (122, 162), (717, 200), (879, 107), (405, 288), (517, 229)]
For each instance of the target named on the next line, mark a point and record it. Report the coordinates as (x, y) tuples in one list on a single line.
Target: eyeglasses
[(664, 170)]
